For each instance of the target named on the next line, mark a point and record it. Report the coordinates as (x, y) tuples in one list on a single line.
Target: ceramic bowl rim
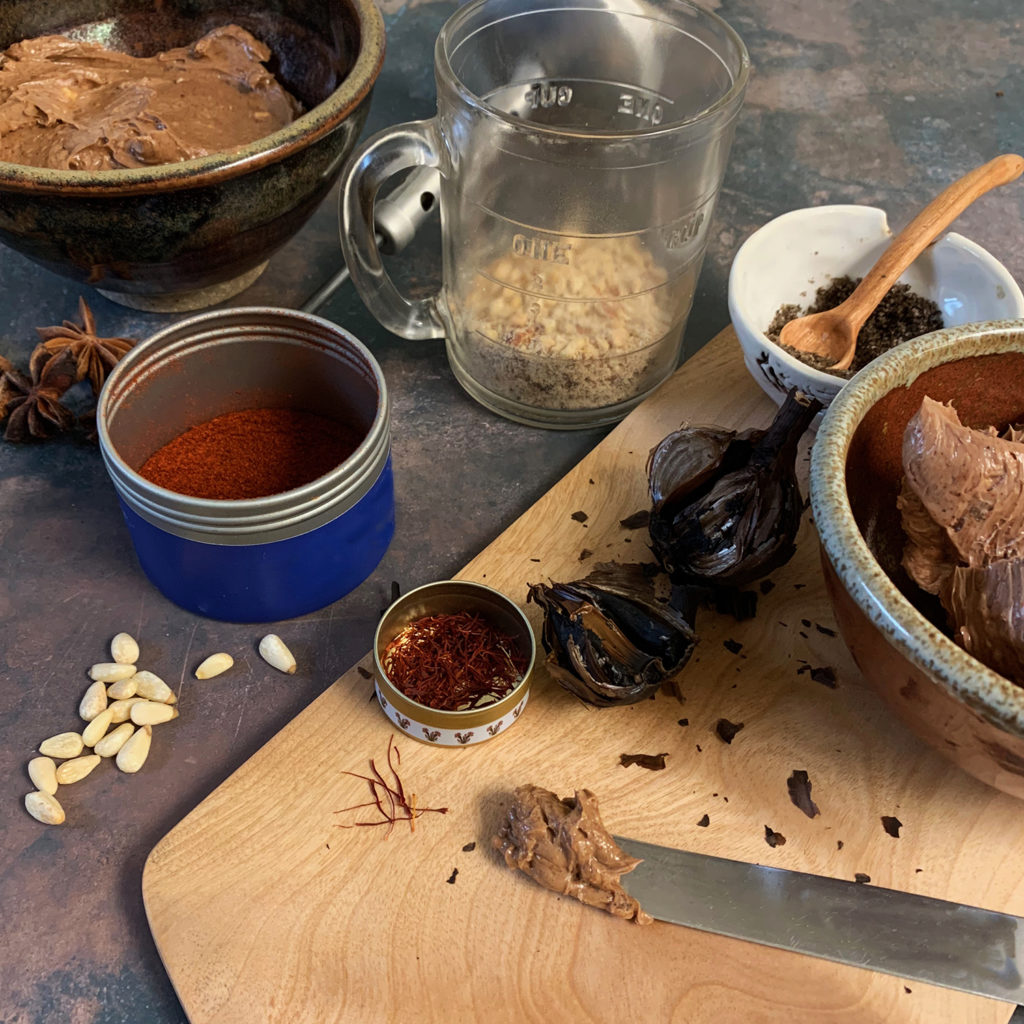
[(961, 675), (877, 219), (306, 129)]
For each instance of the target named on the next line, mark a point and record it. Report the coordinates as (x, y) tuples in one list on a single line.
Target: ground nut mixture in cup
[(594, 331), (580, 150)]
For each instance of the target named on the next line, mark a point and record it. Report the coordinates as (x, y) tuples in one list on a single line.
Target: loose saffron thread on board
[(399, 807), (453, 661)]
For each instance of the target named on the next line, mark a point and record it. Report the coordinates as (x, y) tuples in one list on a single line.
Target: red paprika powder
[(251, 453)]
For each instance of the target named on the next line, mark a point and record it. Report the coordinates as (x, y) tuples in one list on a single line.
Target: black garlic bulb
[(608, 638), (725, 505)]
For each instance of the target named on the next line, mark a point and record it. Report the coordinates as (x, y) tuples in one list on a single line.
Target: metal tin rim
[(251, 520), (421, 713)]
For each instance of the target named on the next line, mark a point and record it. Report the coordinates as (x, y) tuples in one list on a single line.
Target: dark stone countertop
[(872, 103)]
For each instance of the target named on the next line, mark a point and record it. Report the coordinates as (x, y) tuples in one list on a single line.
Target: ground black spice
[(901, 315)]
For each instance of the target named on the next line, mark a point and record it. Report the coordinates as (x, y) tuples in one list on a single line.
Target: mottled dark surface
[(863, 102)]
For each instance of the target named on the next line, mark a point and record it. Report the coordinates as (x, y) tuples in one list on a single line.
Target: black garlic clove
[(608, 639), (726, 506)]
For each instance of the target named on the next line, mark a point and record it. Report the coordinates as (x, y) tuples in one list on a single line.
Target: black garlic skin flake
[(799, 786)]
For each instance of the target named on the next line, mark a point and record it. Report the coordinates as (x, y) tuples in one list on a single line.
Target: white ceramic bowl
[(791, 257)]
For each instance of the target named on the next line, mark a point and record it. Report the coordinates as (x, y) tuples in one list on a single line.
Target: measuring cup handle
[(382, 156)]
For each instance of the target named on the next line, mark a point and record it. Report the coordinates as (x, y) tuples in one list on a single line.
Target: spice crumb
[(773, 838), (469, 848), (580, 517), (704, 822), (453, 876), (861, 879)]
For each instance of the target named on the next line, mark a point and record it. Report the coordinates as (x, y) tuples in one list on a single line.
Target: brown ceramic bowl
[(972, 715), (185, 235)]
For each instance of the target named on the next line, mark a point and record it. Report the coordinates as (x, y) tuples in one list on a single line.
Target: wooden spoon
[(833, 334)]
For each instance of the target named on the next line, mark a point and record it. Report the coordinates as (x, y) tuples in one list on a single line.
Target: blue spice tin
[(258, 559)]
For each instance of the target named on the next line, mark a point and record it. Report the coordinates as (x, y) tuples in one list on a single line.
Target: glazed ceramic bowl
[(967, 712), (788, 259), (453, 728), (186, 235)]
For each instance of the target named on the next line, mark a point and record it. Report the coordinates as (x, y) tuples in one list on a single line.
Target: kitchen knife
[(913, 937)]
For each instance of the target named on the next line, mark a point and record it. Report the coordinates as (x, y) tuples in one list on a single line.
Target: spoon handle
[(922, 231)]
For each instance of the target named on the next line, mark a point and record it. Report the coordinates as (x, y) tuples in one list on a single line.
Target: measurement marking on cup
[(541, 249), (548, 94), (644, 108), (675, 235)]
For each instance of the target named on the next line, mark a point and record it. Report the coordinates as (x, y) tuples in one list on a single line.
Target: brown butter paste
[(72, 105), (563, 845), (962, 509)]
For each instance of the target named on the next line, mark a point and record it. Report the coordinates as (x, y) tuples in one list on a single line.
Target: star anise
[(94, 356), (33, 402)]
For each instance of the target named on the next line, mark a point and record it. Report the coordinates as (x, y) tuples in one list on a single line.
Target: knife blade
[(910, 936)]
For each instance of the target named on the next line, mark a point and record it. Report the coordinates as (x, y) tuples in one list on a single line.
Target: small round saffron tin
[(462, 727), (254, 559)]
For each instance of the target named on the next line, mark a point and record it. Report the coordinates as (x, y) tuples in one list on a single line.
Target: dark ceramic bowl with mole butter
[(185, 235), (250, 449), (465, 647), (900, 634)]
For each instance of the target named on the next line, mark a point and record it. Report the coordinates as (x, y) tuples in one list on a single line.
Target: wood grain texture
[(263, 910)]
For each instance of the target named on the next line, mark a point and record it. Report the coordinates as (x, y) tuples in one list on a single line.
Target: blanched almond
[(44, 807), (214, 665), (121, 710), (274, 652), (124, 650), (152, 687), (122, 689), (114, 740), (110, 672), (152, 712), (43, 773), (77, 768), (132, 756), (63, 745), (97, 728), (94, 701)]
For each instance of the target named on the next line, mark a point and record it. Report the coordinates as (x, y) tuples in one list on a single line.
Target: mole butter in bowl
[(250, 449), (453, 661)]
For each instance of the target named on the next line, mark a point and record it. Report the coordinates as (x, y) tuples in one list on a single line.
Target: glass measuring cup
[(581, 146)]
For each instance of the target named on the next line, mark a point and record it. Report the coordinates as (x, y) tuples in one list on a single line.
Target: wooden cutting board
[(264, 911)]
